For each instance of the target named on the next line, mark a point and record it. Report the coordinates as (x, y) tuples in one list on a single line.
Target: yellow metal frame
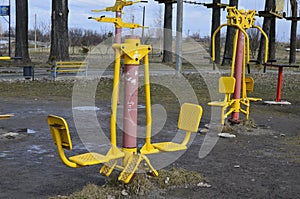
[(118, 7), (241, 20), (132, 52), (118, 22)]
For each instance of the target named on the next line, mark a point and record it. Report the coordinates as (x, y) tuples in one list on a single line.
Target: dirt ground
[(261, 163)]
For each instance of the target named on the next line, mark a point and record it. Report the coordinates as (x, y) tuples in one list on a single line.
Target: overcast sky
[(196, 18)]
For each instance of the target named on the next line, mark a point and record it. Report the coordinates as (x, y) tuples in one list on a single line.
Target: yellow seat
[(226, 86), (189, 119), (249, 84), (61, 137), (249, 89)]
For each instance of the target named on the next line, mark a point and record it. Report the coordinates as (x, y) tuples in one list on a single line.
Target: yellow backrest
[(60, 131), (226, 84), (249, 84), (189, 117)]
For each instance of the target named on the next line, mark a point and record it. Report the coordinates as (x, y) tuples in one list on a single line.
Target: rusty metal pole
[(238, 70), (118, 31), (130, 112)]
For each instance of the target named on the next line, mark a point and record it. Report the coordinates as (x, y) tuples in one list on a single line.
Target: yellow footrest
[(217, 103), (130, 168), (88, 159), (169, 146), (6, 116), (254, 99), (108, 167)]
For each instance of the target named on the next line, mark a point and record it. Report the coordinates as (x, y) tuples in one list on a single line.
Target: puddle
[(30, 131), (141, 106), (86, 108), (3, 155), (25, 130), (38, 111), (36, 149), (10, 135)]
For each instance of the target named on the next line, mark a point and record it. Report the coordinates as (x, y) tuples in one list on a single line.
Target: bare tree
[(229, 39), (75, 35), (272, 34), (59, 31), (195, 36), (41, 31), (254, 36), (158, 23), (293, 39), (21, 48), (44, 26)]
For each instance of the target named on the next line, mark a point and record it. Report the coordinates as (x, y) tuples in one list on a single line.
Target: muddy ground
[(263, 162)]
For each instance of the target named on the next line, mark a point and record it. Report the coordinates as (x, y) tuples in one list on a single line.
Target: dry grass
[(244, 126), (141, 186), (292, 149), (177, 177)]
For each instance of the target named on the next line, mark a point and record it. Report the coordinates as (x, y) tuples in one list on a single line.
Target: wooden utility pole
[(179, 35), (21, 48), (216, 17), (215, 23), (167, 48), (293, 40), (269, 27)]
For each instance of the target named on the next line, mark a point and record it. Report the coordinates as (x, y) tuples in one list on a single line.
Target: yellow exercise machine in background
[(241, 20)]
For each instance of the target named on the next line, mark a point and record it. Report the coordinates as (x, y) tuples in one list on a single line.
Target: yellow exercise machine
[(241, 20), (127, 158)]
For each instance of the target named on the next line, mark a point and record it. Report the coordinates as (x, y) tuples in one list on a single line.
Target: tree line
[(77, 36), (269, 23), (59, 49)]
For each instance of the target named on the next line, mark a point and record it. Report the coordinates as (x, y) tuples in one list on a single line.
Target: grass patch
[(177, 177)]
